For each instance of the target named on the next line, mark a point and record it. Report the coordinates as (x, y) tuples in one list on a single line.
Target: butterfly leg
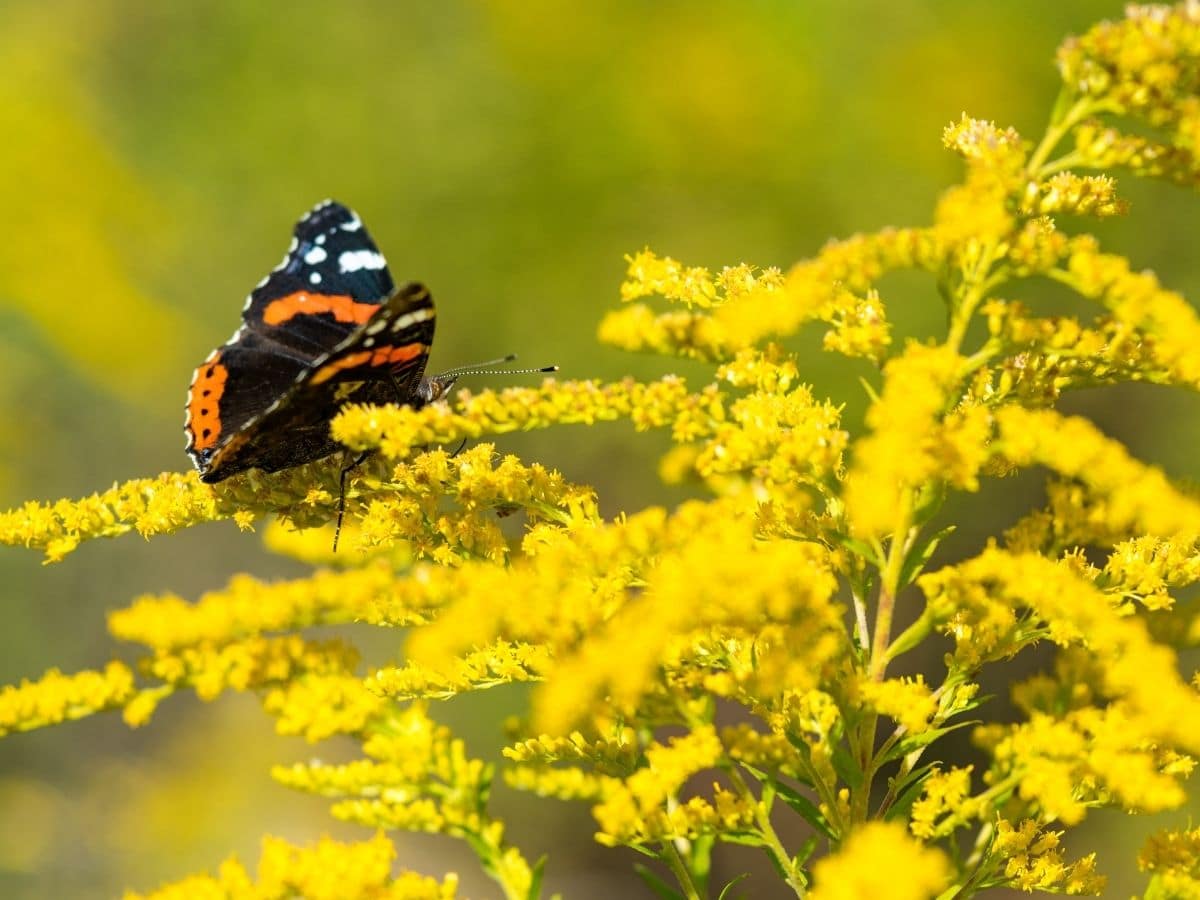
[(459, 448), (346, 470)]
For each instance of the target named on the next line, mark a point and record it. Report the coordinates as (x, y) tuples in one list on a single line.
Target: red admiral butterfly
[(326, 327)]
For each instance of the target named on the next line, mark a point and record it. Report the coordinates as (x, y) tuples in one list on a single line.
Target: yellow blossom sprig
[(147, 505), (56, 697), (1134, 667), (835, 287), (420, 779), (649, 274), (1147, 567), (308, 495), (1140, 497), (1172, 857), (329, 870), (1138, 300), (501, 662), (1062, 766), (396, 430), (843, 876), (249, 606), (1029, 858), (1108, 148)]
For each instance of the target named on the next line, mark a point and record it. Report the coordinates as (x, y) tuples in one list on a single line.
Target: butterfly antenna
[(486, 368), (451, 375)]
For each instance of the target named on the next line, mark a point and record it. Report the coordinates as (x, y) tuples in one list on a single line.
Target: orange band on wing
[(204, 413), (384, 356), (302, 303)]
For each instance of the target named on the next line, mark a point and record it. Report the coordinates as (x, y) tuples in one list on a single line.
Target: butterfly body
[(325, 328)]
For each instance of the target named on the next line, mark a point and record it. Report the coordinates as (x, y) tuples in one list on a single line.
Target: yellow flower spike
[(501, 662), (1137, 65), (1108, 148), (56, 697), (870, 863), (633, 812), (649, 274), (248, 664), (908, 701), (1080, 195), (248, 606), (328, 870), (1140, 498), (899, 453), (1133, 666), (1139, 301), (723, 576), (396, 430), (319, 705), (570, 783), (149, 505), (826, 288)]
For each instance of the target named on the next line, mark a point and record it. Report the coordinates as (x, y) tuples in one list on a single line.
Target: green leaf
[(847, 767), (725, 890), (908, 795), (806, 809), (861, 549), (746, 838), (700, 860), (909, 743), (535, 885), (656, 884), (806, 850), (919, 554)]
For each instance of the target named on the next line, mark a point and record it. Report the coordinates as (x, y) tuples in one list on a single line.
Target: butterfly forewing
[(332, 280)]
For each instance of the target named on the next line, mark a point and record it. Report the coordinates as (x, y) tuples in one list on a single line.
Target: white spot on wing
[(354, 224), (315, 255), (315, 278), (353, 260)]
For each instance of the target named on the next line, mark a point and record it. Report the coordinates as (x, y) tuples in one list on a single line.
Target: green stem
[(670, 855), (1056, 131), (774, 846)]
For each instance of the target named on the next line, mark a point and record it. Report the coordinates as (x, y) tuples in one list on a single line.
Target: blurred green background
[(155, 156)]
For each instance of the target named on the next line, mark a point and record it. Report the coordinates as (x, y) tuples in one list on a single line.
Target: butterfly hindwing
[(380, 361), (392, 345)]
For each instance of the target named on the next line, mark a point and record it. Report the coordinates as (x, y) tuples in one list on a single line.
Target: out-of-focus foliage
[(509, 155)]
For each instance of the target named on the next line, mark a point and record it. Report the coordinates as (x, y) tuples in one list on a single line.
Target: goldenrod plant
[(702, 674)]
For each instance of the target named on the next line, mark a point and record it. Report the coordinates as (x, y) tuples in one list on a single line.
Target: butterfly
[(325, 328)]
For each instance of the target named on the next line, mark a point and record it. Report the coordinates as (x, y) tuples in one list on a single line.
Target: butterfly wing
[(380, 361), (332, 279)]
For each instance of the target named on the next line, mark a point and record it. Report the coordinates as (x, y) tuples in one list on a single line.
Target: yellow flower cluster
[(1073, 611), (501, 662), (835, 287), (56, 697), (248, 606), (1033, 861), (1173, 859), (418, 778), (330, 870), (880, 860), (636, 810)]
